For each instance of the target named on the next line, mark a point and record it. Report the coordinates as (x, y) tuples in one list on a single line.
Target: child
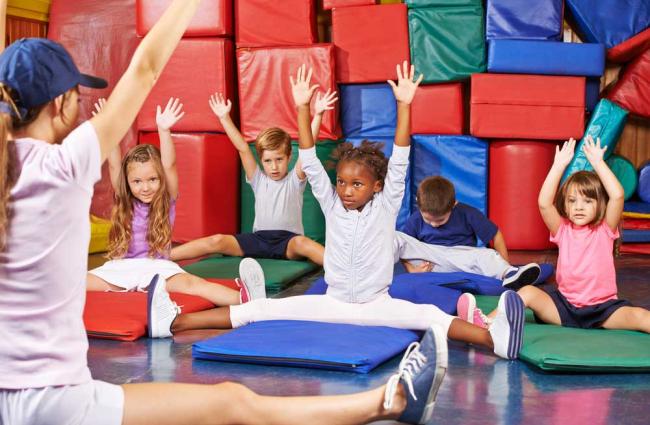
[(277, 230), (583, 219), (46, 183), (444, 232)]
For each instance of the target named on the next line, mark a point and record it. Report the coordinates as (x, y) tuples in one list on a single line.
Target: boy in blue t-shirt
[(443, 234)]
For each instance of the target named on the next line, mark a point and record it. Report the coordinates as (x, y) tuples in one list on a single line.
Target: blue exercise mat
[(544, 57), (610, 22), (524, 19), (637, 207), (635, 236), (341, 347), (367, 110)]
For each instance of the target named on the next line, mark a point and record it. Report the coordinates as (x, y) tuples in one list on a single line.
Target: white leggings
[(382, 311), (483, 261)]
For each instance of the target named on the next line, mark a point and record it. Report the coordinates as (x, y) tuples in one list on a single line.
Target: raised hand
[(171, 115), (219, 105), (300, 89), (99, 105), (564, 155), (325, 102), (405, 88), (593, 151)]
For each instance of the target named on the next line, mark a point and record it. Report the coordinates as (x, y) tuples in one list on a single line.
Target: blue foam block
[(341, 347), (367, 110), (637, 207), (592, 93), (544, 57), (461, 159), (643, 188), (610, 22), (524, 19), (635, 236)]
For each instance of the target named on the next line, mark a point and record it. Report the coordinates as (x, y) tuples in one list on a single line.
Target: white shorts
[(92, 403), (133, 274)]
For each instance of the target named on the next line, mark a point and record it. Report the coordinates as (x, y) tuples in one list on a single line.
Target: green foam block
[(559, 349), (625, 173)]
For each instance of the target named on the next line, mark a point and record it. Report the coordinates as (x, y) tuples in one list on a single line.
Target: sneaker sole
[(150, 291), (471, 301), (442, 358), (250, 272), (515, 313), (527, 277)]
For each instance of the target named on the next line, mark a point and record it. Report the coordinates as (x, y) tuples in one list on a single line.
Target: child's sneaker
[(251, 281), (161, 310), (518, 277), (467, 310), (507, 328), (421, 372)]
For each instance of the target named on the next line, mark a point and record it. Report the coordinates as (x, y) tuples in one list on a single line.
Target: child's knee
[(239, 397), (216, 242)]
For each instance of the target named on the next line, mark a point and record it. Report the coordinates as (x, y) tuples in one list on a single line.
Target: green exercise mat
[(277, 273), (625, 172), (559, 349), (312, 216), (447, 43)]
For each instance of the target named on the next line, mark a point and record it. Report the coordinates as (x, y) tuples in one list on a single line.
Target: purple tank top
[(139, 247)]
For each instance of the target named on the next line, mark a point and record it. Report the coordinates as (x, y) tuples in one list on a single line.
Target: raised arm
[(114, 156), (546, 198), (221, 108), (404, 92), (615, 192), (302, 93), (147, 64), (165, 120)]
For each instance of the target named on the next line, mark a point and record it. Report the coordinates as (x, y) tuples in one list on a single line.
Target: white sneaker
[(161, 310), (507, 328), (251, 281)]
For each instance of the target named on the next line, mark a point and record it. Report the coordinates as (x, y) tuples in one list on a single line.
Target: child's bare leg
[(230, 403), (215, 244), (540, 302), (460, 330), (302, 247), (186, 283), (216, 318), (631, 318), (94, 283)]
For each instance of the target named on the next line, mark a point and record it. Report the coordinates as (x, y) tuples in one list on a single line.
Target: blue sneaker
[(421, 372), (161, 310), (507, 328), (518, 277)]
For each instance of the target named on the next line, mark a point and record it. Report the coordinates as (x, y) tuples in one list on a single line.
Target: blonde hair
[(272, 139), (159, 229), (8, 173), (587, 184)]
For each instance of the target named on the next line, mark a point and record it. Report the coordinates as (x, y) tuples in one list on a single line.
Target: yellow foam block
[(635, 215), (99, 229)]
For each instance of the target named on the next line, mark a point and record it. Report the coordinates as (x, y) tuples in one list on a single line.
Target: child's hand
[(422, 267), (325, 103), (405, 88), (220, 106), (99, 105), (564, 156), (302, 92), (593, 151), (170, 116)]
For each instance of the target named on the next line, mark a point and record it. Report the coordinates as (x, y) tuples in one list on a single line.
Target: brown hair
[(159, 229), (587, 184), (7, 161), (271, 139), (436, 196), (368, 154)]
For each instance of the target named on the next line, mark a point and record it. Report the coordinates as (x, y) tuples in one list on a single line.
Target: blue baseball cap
[(39, 70)]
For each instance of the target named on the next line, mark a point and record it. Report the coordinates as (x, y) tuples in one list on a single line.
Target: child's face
[(580, 209), (355, 184), (143, 180), (275, 163), (435, 220)]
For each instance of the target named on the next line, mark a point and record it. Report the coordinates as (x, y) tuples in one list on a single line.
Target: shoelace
[(486, 320), (410, 365)]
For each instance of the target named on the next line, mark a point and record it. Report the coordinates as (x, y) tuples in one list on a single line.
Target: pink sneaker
[(467, 310)]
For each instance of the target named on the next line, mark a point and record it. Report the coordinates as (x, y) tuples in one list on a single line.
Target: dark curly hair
[(368, 153)]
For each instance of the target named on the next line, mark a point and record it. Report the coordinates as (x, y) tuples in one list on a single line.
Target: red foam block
[(275, 23), (265, 91), (630, 48), (208, 174), (514, 106), (635, 248), (213, 18), (517, 171), (331, 4), (632, 91), (370, 41), (198, 68), (438, 109)]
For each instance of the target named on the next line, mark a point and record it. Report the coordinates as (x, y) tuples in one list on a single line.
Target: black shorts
[(265, 243), (588, 317)]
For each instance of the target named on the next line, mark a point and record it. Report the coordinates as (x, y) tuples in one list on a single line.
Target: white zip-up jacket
[(359, 250)]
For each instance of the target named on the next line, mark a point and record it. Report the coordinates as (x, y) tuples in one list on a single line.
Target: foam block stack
[(636, 215)]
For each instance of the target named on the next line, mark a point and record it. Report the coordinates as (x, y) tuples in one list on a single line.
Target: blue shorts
[(265, 243), (588, 317)]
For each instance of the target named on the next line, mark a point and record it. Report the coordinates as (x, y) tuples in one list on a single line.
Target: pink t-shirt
[(43, 267), (585, 265)]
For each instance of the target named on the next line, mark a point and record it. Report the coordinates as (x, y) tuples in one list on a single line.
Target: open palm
[(173, 112), (406, 86)]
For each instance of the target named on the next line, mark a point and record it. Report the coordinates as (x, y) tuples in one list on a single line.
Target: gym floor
[(478, 389)]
